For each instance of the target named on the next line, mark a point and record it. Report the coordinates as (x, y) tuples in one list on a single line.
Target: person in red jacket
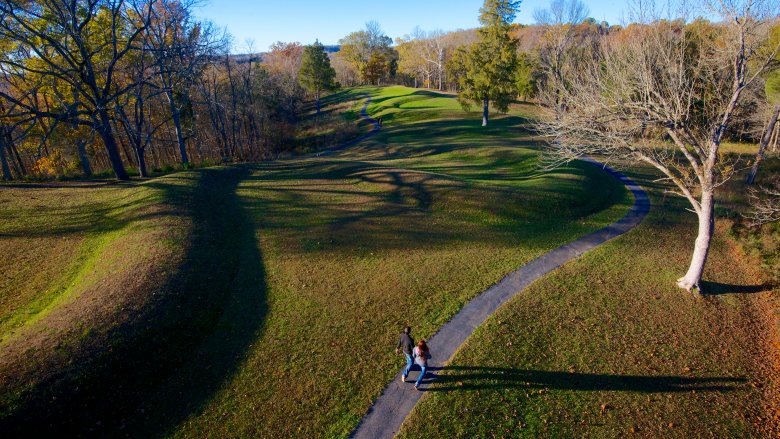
[(421, 356)]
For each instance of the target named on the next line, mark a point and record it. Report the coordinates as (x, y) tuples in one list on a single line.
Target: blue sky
[(268, 21)]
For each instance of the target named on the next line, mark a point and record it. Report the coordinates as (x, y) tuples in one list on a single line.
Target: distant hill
[(242, 58)]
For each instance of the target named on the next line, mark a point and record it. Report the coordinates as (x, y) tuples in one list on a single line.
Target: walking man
[(405, 345)]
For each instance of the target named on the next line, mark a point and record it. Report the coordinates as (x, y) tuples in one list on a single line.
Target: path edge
[(363, 116), (384, 419)]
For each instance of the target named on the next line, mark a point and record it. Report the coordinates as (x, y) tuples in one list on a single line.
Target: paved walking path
[(363, 115), (384, 419)]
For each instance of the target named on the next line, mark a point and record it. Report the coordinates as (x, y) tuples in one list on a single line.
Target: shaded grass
[(167, 343), (338, 123), (607, 346)]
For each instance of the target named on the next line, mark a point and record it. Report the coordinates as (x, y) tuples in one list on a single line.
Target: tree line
[(91, 86)]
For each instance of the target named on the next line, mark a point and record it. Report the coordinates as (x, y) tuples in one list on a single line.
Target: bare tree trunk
[(4, 159), (765, 139), (139, 153), (701, 250), (485, 111), (103, 127), (81, 148), (16, 160), (176, 116)]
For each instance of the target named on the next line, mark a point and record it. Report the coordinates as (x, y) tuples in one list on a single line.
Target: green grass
[(264, 300), (51, 238), (285, 283), (608, 347), (404, 228)]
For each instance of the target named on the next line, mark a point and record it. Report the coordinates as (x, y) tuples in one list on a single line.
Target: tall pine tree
[(316, 74), (488, 67)]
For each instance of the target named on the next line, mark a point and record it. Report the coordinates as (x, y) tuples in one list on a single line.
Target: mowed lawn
[(290, 280), (402, 229), (607, 346)]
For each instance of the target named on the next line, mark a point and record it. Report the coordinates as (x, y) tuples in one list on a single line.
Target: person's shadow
[(455, 378)]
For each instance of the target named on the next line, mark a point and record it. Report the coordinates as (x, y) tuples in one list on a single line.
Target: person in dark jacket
[(406, 345)]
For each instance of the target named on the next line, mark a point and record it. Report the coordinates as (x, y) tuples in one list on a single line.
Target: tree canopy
[(370, 53), (488, 67), (316, 74)]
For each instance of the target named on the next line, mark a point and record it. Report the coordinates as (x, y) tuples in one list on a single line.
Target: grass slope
[(264, 300), (404, 228), (608, 347), (141, 304)]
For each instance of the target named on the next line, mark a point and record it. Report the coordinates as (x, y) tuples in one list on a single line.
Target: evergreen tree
[(489, 66), (316, 74)]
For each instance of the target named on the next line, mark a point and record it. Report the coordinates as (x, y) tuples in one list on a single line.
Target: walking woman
[(421, 357)]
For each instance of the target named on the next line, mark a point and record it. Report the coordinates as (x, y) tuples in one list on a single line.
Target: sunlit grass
[(607, 346), (402, 229), (293, 277)]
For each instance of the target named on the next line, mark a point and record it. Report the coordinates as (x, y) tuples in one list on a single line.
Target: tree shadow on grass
[(168, 362), (458, 378), (720, 289)]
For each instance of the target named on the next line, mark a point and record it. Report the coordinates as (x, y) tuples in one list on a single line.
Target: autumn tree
[(487, 68), (283, 64), (80, 46), (316, 75), (661, 93), (370, 53), (346, 73)]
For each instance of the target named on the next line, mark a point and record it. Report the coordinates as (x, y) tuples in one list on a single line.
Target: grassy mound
[(272, 304), (137, 305), (607, 346), (404, 228)]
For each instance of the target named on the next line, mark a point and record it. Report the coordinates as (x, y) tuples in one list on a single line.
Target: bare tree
[(434, 54), (772, 93), (180, 48), (558, 23), (421, 56), (766, 139), (12, 130), (765, 203), (134, 111), (639, 98)]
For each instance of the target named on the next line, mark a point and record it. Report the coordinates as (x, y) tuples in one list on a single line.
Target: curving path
[(387, 414), (363, 115)]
